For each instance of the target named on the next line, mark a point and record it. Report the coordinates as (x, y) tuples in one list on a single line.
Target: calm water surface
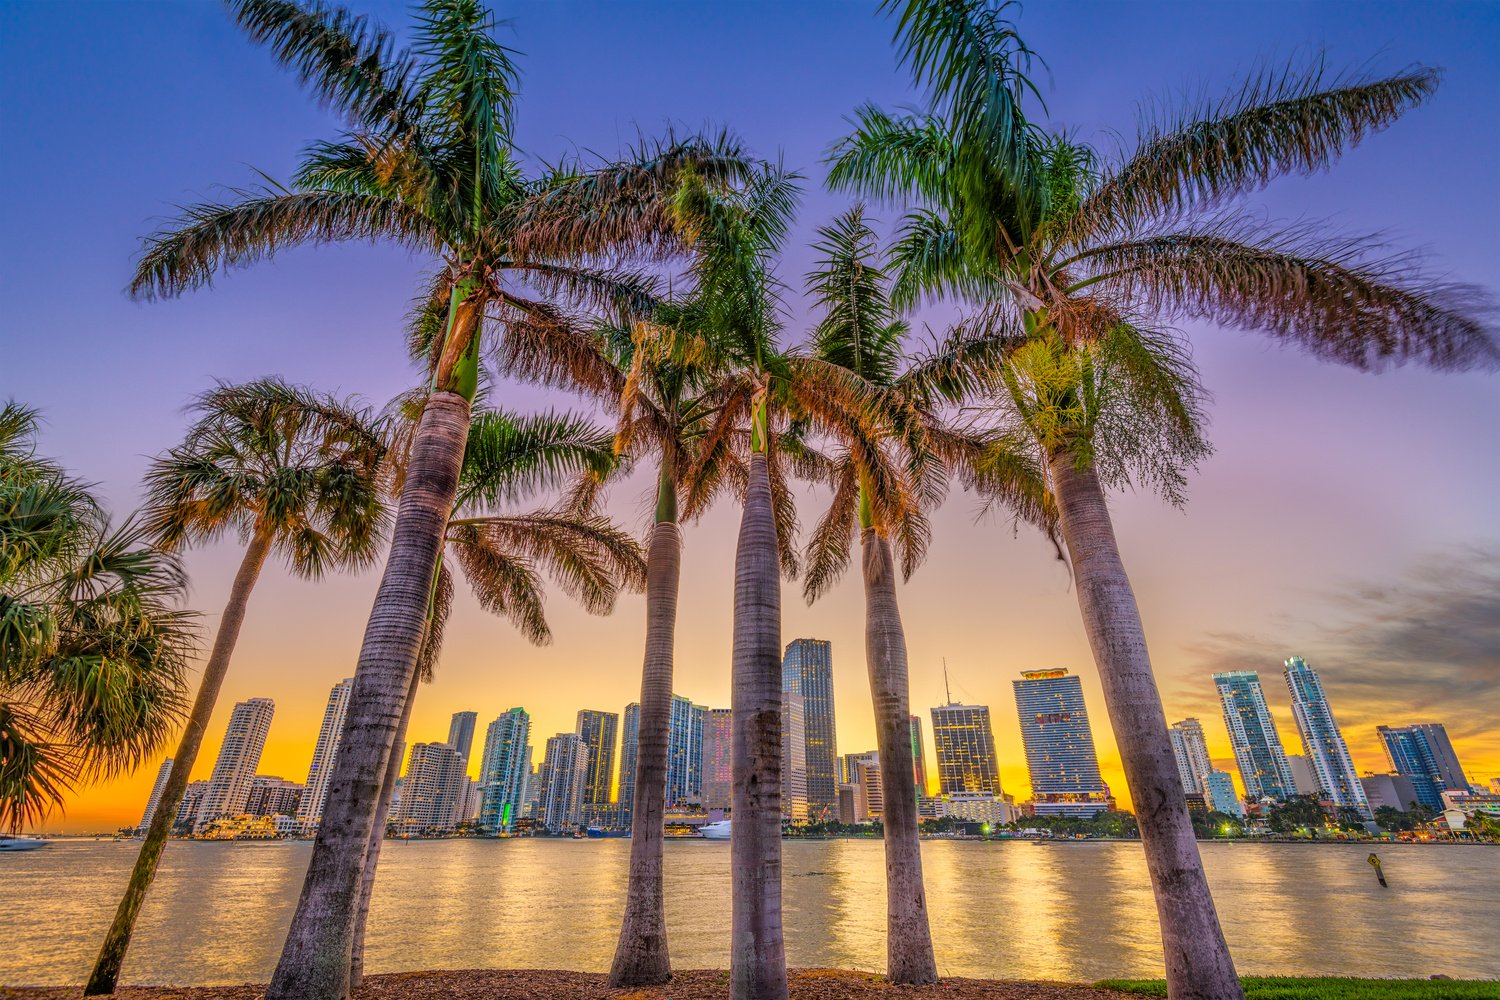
[(218, 912)]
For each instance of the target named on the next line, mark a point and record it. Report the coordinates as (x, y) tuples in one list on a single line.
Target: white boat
[(715, 831), (21, 843)]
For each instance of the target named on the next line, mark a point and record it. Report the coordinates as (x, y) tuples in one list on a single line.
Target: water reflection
[(1051, 911)]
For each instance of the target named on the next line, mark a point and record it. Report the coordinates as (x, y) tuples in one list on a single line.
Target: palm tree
[(509, 458), (93, 649), (1051, 243), (292, 473), (428, 164)]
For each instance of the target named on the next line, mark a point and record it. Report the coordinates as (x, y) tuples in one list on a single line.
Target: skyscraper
[(1219, 791), (597, 730), (685, 752), (244, 739), (461, 733), (192, 798), (504, 769), (918, 757), (807, 670), (1252, 733), (718, 743), (1190, 747), (863, 772), (325, 755), (563, 775), (1423, 753), (273, 796), (1060, 756), (431, 789), (965, 744), (1322, 741), (793, 757), (162, 774), (630, 743), (1304, 781)]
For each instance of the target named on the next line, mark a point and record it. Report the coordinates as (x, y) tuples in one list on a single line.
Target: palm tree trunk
[(319, 945), (377, 837), (908, 941), (641, 957), (106, 972), (757, 959), (1199, 966)]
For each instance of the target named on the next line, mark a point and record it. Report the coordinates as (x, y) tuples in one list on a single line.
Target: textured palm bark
[(315, 960), (757, 958), (1198, 963), (106, 972), (908, 940), (377, 837), (641, 957)]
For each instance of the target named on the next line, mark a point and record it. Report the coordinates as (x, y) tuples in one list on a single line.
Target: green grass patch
[(1335, 988)]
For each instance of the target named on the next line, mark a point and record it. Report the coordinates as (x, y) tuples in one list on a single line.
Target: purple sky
[(1348, 518)]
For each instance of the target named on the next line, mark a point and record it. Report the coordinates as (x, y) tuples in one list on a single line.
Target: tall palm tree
[(292, 473), (93, 646), (1039, 229), (882, 488), (510, 458), (427, 164)]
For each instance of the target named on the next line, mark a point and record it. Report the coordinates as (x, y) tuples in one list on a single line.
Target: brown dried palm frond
[(784, 510), (543, 343), (437, 625), (503, 583), (828, 549)]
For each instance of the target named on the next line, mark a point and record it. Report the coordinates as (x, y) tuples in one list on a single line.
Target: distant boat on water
[(597, 832), (715, 831), (21, 843)]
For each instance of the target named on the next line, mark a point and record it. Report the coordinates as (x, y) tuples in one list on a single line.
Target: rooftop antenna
[(946, 690)]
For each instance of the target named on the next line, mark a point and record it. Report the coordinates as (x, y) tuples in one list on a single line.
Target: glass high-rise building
[(563, 774), (1190, 747), (597, 730), (918, 756), (325, 755), (1219, 793), (461, 733), (229, 787), (1060, 755), (793, 757), (504, 771), (965, 744), (807, 670), (160, 785), (685, 752), (1322, 741), (630, 744), (430, 790), (1252, 733), (1424, 754), (718, 744)]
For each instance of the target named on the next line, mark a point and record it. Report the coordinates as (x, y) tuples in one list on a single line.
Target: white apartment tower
[(229, 786), (325, 755)]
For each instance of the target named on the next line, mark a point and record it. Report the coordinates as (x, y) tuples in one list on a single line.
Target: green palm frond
[(503, 584), (893, 158), (858, 329), (510, 457)]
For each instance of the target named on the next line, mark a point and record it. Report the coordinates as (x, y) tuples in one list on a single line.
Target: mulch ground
[(528, 984)]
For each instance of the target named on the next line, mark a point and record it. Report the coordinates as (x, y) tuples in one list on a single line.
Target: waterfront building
[(461, 734), (1424, 754), (1060, 755), (980, 808), (239, 756), (1395, 791), (564, 773), (918, 756), (1219, 795), (430, 792), (718, 744), (630, 743), (807, 670), (162, 774), (965, 745), (685, 753), (504, 770), (273, 796), (1190, 747), (598, 731), (187, 809), (793, 758), (325, 755), (1252, 733), (863, 773), (1304, 780), (1322, 741), (848, 804)]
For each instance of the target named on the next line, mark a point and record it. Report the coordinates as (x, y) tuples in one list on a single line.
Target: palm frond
[(828, 549)]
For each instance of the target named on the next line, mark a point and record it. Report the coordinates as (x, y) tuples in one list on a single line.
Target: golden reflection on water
[(1076, 911)]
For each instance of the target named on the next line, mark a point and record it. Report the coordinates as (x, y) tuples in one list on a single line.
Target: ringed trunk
[(641, 957), (377, 837), (1198, 963), (315, 960), (909, 958), (106, 974), (757, 962)]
